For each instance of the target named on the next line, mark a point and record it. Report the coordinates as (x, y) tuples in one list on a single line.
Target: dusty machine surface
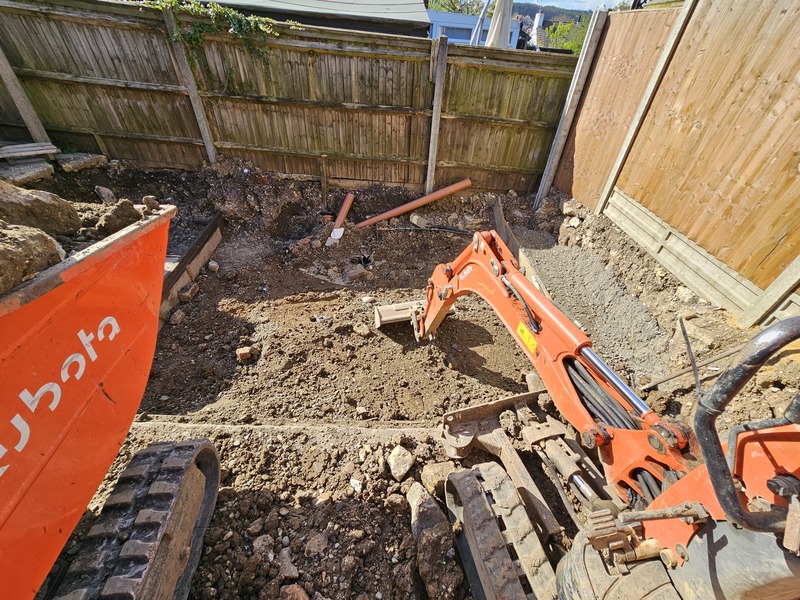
[(638, 506), (76, 344)]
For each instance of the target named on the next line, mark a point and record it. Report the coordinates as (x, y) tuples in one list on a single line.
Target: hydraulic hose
[(751, 358)]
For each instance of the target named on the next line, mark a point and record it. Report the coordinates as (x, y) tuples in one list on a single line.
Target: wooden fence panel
[(8, 112), (71, 45), (104, 76), (629, 49), (499, 115), (114, 111), (716, 156)]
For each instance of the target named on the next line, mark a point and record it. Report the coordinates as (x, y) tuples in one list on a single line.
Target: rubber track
[(486, 497), (113, 562)]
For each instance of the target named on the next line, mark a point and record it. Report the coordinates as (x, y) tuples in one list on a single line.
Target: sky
[(579, 4)]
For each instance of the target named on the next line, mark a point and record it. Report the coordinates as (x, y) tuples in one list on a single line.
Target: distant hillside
[(551, 13)]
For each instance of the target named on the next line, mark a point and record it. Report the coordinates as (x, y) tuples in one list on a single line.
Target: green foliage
[(465, 7), (568, 36), (252, 30), (551, 13), (249, 28)]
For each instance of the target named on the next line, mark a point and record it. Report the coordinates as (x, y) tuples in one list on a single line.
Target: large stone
[(262, 548), (293, 592), (119, 217), (35, 208), (400, 462), (105, 194), (316, 544), (26, 171), (287, 568), (435, 545), (435, 474), (77, 161), (24, 251)]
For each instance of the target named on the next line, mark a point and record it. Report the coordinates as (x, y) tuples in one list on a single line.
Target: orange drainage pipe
[(338, 229), (348, 202), (395, 212)]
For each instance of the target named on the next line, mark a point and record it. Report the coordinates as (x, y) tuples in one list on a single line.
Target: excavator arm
[(586, 392)]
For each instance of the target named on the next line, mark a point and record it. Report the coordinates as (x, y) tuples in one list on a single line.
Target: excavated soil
[(305, 425)]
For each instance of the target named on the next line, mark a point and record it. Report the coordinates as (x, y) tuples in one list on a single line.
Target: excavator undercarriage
[(578, 489)]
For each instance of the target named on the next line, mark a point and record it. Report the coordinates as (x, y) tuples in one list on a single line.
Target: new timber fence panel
[(709, 179), (716, 156), (103, 76), (629, 50)]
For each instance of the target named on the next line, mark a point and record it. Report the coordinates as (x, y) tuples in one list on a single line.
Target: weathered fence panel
[(105, 76), (500, 111), (629, 49)]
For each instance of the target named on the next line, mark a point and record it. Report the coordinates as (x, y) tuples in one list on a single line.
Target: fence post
[(776, 293), (585, 62), (439, 75), (22, 102), (186, 79), (647, 99)]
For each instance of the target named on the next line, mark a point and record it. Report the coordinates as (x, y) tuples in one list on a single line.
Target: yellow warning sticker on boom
[(527, 337)]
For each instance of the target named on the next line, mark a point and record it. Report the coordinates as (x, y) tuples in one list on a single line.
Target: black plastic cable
[(598, 408), (617, 418), (608, 400), (649, 494), (550, 469)]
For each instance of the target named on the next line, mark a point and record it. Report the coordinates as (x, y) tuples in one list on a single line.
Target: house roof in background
[(409, 11)]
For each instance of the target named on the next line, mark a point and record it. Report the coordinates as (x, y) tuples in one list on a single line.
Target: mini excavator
[(584, 491)]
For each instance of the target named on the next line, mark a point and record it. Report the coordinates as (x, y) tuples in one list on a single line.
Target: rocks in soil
[(355, 272), (105, 194), (285, 564), (684, 294), (151, 202), (119, 217), (316, 544), (293, 592), (177, 317), (188, 291), (77, 161), (362, 329), (434, 543), (400, 462), (213, 266), (262, 548), (24, 251), (434, 476), (33, 208), (573, 208)]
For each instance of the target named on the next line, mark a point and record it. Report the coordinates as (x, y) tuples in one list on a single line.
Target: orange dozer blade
[(76, 345)]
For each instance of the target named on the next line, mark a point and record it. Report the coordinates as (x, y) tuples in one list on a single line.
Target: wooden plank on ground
[(24, 150)]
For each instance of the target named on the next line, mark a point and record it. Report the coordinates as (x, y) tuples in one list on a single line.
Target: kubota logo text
[(73, 367)]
